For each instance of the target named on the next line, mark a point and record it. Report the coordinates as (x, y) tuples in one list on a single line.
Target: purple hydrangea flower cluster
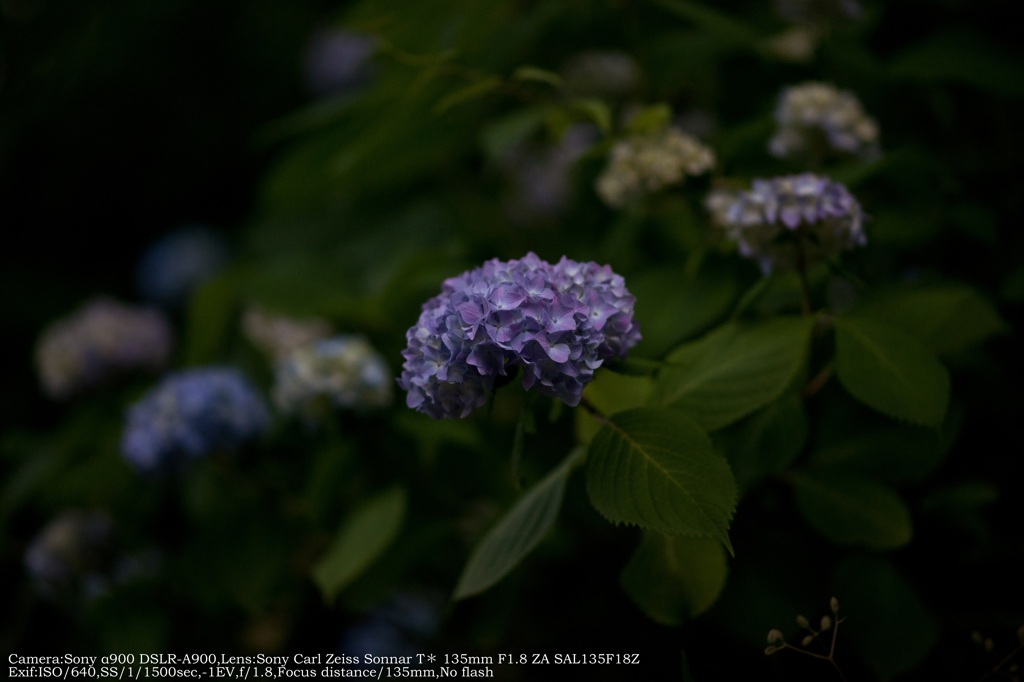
[(558, 323), (98, 341), (190, 414), (780, 221)]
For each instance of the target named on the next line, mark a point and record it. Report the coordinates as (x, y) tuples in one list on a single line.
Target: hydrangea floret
[(645, 163), (346, 370), (558, 323), (100, 340), (814, 117), (191, 414), (791, 219)]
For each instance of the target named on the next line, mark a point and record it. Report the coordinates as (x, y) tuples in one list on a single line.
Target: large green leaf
[(362, 539), (673, 578), (893, 454), (657, 469), (850, 510), (890, 371), (766, 442), (885, 622), (518, 532), (945, 317), (735, 369), (611, 392)]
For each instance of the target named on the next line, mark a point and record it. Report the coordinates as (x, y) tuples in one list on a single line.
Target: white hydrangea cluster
[(346, 370), (645, 163), (816, 114), (100, 340)]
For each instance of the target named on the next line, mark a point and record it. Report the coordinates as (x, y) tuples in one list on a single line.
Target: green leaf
[(849, 510), (650, 119), (537, 75), (716, 23), (361, 540), (885, 622), (696, 304), (503, 134), (890, 371), (476, 90), (593, 110), (961, 55), (674, 578), (946, 317), (735, 369), (655, 468), (611, 392), (208, 318), (894, 454), (518, 532), (765, 443)]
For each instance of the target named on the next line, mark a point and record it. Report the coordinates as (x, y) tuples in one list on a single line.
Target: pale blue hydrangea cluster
[(345, 370), (784, 220), (100, 340), (338, 61), (817, 117), (190, 414), (172, 268), (645, 163), (71, 556), (558, 323)]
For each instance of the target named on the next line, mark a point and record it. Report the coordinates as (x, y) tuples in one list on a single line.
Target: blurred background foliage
[(121, 121)]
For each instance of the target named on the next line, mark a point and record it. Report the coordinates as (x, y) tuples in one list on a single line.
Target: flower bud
[(774, 635), (826, 623), (803, 622), (807, 640), (834, 605)]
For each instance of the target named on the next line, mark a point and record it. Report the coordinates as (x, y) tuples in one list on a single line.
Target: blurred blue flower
[(345, 370), (172, 268), (541, 176), (71, 556), (558, 323), (338, 61), (190, 414), (400, 626), (784, 220), (100, 340)]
